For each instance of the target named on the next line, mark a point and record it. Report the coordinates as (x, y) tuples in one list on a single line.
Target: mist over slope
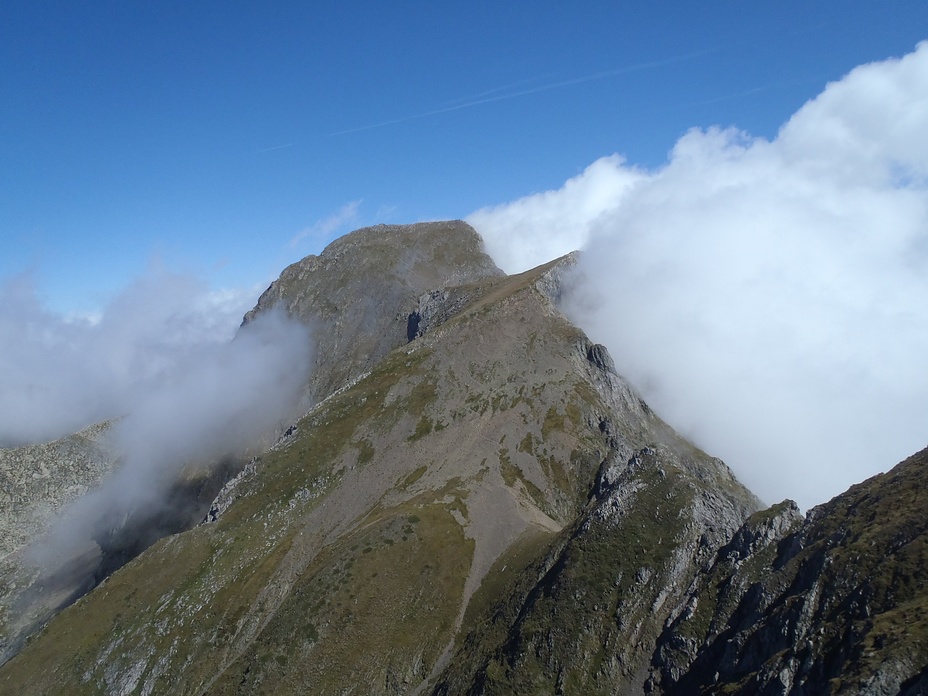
[(63, 373), (217, 403), (770, 298), (166, 363), (180, 401)]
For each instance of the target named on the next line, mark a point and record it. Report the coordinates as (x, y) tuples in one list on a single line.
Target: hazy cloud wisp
[(61, 374), (770, 298), (217, 402), (167, 360), (322, 230)]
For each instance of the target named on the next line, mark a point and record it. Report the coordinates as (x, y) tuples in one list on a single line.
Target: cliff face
[(477, 502)]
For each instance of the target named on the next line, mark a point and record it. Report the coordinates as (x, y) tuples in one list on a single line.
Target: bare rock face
[(716, 593)]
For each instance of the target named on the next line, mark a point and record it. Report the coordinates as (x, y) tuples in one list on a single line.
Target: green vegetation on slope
[(380, 596)]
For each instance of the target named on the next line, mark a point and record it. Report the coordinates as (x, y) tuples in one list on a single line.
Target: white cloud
[(538, 228), (770, 298), (61, 373), (216, 401), (166, 356)]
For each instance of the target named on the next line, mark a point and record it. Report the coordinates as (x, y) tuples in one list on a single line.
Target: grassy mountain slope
[(350, 552), (356, 294)]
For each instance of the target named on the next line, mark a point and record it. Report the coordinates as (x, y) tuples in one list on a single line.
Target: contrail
[(757, 90), (495, 91), (534, 90), (276, 147)]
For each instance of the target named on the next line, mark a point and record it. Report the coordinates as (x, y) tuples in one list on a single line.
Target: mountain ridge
[(474, 501)]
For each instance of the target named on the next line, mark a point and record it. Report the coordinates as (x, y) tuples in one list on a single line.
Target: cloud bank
[(63, 373), (768, 297)]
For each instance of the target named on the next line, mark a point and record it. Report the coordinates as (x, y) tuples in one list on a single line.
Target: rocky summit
[(472, 500)]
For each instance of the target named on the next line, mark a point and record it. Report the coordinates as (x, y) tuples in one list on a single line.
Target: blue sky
[(211, 135), (749, 181)]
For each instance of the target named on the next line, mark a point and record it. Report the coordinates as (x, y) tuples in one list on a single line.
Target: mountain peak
[(357, 294)]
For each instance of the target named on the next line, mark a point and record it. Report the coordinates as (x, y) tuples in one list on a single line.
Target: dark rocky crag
[(476, 502), (836, 603)]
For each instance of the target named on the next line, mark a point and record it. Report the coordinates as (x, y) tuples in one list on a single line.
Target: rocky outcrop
[(558, 277), (227, 494), (716, 593), (436, 307), (586, 618), (836, 603)]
